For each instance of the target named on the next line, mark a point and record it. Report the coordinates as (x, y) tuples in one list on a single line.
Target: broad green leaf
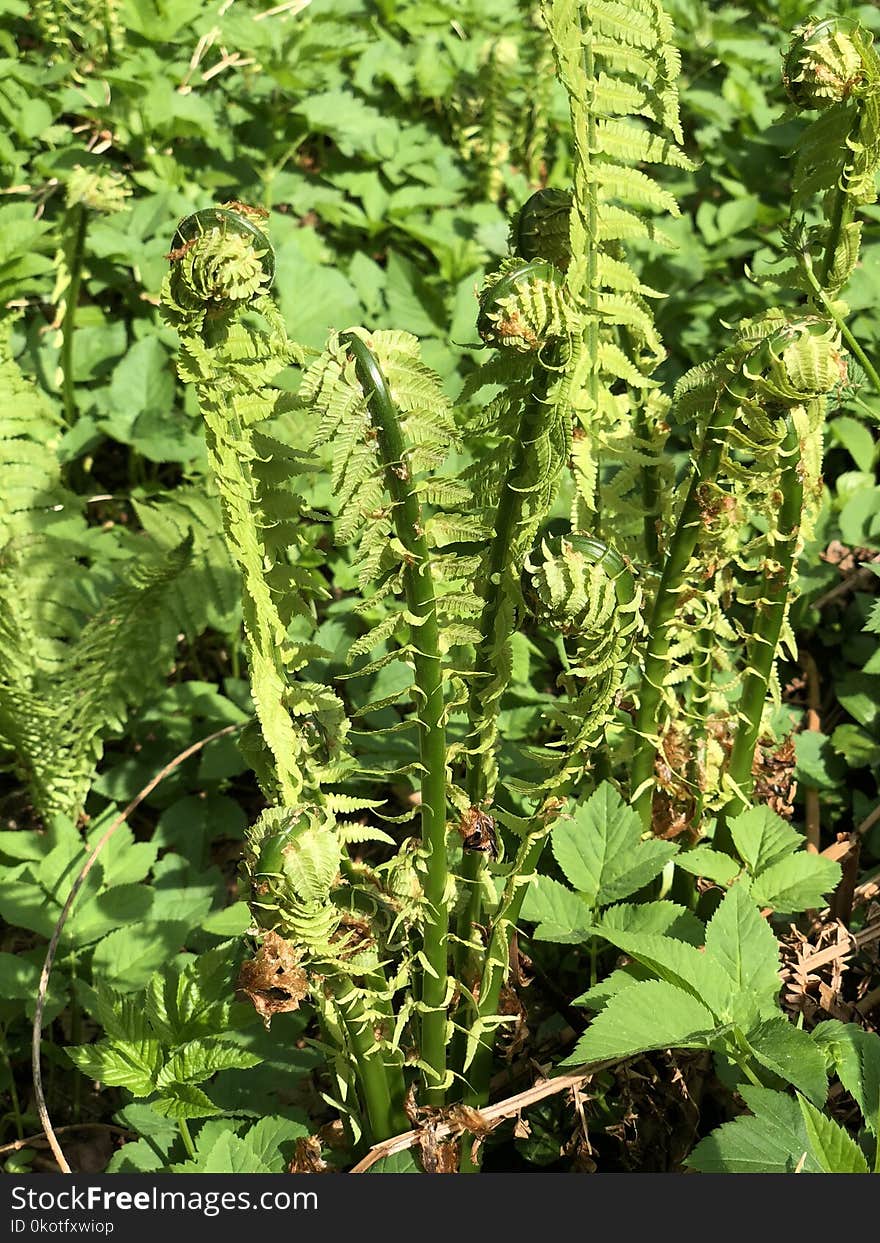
[(195, 1002), (713, 864), (120, 1064), (623, 977), (797, 883), (744, 947), (600, 850), (197, 1061), (650, 1015), (792, 1054), (232, 921), (228, 1155), (129, 956), (138, 1157), (834, 1150), (272, 1141), (772, 1141), (761, 837), (854, 1054), (185, 1100), (683, 965), (562, 916), (663, 918)]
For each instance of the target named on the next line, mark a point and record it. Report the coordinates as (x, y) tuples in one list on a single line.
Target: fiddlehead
[(765, 398), (832, 67), (232, 344)]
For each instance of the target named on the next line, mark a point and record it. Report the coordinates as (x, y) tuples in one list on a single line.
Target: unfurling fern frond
[(757, 454), (232, 345)]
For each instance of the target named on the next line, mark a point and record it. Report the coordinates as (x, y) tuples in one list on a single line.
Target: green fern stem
[(832, 310), (495, 627), (765, 636), (701, 685), (384, 1117), (77, 223), (420, 598), (681, 549), (497, 960)]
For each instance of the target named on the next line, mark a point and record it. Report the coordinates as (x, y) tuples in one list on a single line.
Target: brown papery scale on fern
[(521, 306), (220, 258)]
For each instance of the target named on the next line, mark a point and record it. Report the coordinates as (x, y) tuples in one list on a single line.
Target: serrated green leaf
[(834, 1150), (772, 1141), (854, 1054), (792, 1054), (798, 883), (649, 1015), (600, 850), (761, 838)]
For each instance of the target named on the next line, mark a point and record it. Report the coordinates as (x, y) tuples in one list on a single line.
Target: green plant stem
[(495, 627), (841, 213), (498, 951), (765, 635), (681, 549), (701, 684), (183, 1127), (77, 224), (650, 478), (383, 1116), (419, 589), (833, 313)]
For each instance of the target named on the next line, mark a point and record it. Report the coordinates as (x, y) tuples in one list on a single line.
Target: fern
[(221, 268), (619, 68), (55, 720)]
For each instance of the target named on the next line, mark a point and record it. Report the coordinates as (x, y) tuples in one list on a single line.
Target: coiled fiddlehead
[(780, 382), (232, 345), (833, 68)]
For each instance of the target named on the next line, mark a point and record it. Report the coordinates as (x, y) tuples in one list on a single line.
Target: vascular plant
[(542, 506)]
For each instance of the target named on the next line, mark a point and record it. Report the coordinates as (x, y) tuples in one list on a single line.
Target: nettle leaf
[(624, 977), (744, 947), (797, 883), (791, 1053), (761, 838), (854, 1055), (600, 850), (185, 1100), (229, 1154), (272, 1141), (561, 915), (833, 1149), (772, 1141), (654, 917), (649, 1015)]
